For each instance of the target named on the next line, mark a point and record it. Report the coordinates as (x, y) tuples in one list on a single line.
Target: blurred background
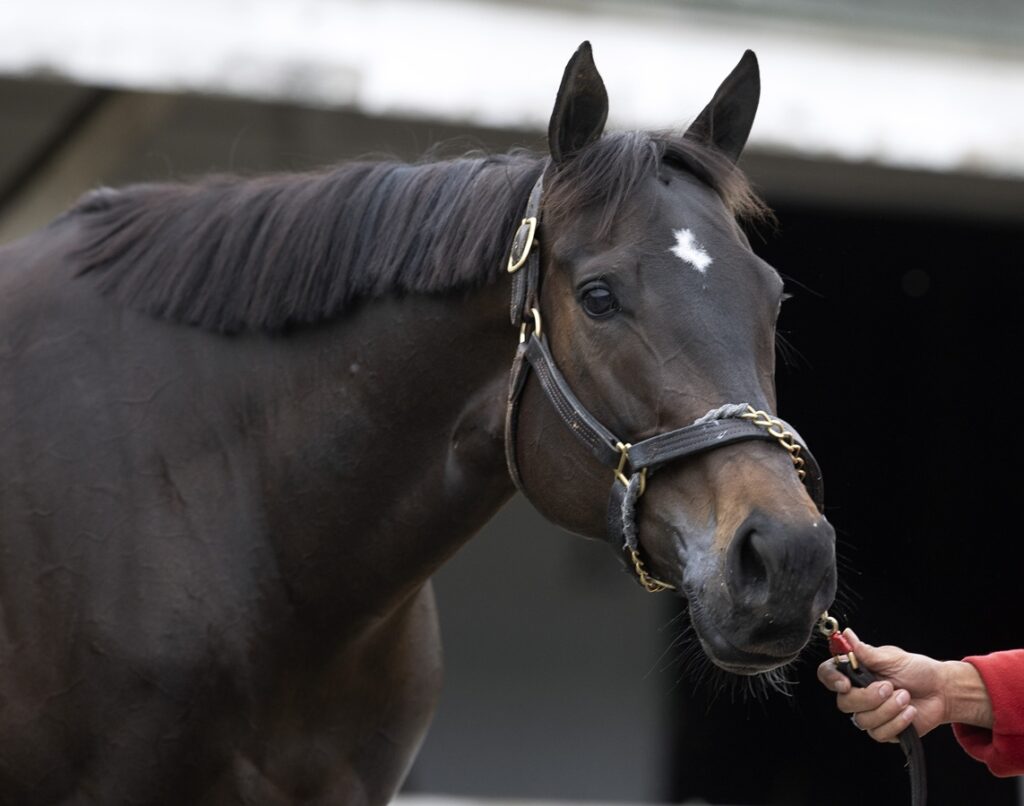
[(890, 142)]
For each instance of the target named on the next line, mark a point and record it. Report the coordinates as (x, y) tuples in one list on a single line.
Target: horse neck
[(387, 449)]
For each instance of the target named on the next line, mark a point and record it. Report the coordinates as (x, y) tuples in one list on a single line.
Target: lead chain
[(783, 436), (650, 584)]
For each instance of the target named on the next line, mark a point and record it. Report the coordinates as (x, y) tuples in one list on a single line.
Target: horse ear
[(725, 123), (581, 107)]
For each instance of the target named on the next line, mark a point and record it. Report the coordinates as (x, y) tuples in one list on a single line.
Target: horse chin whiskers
[(757, 680), (750, 688), (761, 686), (706, 676)]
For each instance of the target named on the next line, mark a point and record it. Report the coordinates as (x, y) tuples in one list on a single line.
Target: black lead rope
[(862, 677)]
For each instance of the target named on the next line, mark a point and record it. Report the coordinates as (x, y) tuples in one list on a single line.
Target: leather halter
[(631, 462)]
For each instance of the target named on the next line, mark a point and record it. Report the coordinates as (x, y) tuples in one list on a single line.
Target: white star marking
[(690, 251)]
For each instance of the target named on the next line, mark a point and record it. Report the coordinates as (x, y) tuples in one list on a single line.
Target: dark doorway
[(906, 334)]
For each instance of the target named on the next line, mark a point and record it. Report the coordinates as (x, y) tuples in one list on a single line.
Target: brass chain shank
[(649, 583), (784, 437)]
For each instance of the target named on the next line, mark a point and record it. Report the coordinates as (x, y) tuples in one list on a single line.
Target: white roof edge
[(498, 64)]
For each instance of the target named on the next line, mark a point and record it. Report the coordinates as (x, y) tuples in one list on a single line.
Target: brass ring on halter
[(536, 321), (535, 313)]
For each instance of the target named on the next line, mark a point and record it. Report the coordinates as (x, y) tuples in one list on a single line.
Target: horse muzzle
[(754, 605)]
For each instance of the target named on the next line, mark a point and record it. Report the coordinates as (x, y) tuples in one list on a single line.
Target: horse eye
[(598, 301)]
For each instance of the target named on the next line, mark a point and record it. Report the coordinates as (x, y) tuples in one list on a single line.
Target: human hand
[(914, 689)]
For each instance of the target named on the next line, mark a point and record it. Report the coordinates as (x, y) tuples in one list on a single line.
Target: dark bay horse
[(242, 422)]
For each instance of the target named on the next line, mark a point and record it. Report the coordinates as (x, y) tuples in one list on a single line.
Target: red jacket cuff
[(1002, 747)]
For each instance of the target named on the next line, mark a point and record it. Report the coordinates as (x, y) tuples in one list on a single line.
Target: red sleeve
[(1002, 747)]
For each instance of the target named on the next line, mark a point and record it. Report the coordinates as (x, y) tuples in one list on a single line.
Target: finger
[(832, 679), (890, 731), (884, 713), (856, 700)]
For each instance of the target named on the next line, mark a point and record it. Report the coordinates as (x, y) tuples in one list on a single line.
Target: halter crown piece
[(632, 463)]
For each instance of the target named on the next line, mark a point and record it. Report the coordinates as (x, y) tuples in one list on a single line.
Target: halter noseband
[(631, 463)]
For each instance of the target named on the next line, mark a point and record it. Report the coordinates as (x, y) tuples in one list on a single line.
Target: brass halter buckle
[(784, 437), (525, 236)]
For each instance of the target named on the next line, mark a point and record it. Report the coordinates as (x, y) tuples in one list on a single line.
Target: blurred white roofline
[(826, 93), (448, 800)]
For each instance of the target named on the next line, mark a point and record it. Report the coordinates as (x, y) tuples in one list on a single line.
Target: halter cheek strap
[(632, 464), (524, 258)]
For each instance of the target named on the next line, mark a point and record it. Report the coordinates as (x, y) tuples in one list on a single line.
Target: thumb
[(880, 659)]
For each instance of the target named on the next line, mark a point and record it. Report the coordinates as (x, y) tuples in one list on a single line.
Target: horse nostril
[(778, 563), (748, 572)]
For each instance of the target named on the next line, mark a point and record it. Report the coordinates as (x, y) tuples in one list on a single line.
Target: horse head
[(656, 311)]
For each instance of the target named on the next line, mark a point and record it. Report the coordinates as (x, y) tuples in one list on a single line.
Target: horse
[(244, 420)]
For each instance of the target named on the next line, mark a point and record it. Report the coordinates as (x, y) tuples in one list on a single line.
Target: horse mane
[(229, 254)]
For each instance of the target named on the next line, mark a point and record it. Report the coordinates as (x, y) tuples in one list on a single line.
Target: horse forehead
[(683, 217), (687, 203), (650, 227), (692, 233)]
